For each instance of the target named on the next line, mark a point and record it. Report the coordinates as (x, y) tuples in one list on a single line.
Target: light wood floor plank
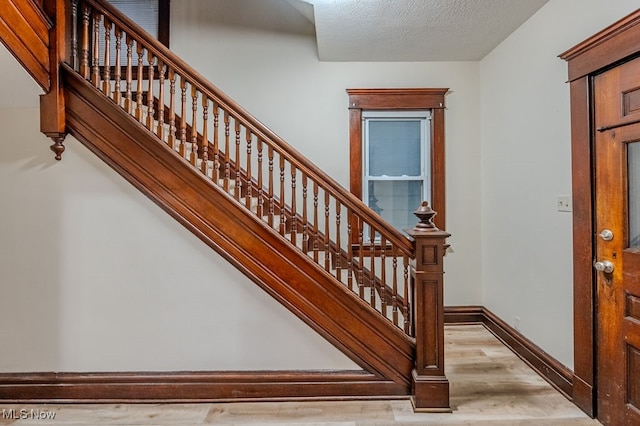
[(489, 386)]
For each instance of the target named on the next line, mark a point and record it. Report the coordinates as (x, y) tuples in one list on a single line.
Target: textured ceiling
[(415, 30)]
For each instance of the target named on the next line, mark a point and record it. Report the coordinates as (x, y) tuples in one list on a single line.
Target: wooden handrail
[(215, 94), (246, 160)]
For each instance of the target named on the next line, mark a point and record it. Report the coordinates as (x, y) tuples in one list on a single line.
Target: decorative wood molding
[(187, 387), (396, 99), (400, 99), (559, 376), (596, 52)]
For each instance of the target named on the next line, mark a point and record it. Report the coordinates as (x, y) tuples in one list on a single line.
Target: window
[(396, 171), (152, 15), (397, 151)]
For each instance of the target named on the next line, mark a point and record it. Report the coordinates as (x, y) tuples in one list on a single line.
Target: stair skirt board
[(332, 310), (187, 387)]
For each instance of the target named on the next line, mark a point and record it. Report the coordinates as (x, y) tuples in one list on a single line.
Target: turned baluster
[(282, 195), (349, 251), (360, 258), (372, 260), (205, 134), (327, 228), (237, 191), (117, 95), (338, 265), (128, 105), (74, 35), (106, 81), (383, 275), (248, 185), (394, 295), (194, 126), (405, 306), (172, 109), (161, 107), (215, 175), (150, 97), (260, 209), (183, 117), (84, 50), (139, 101), (316, 242), (305, 225), (271, 190), (227, 158), (294, 225), (95, 78)]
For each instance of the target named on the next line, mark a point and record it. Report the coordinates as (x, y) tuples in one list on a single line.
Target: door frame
[(615, 44)]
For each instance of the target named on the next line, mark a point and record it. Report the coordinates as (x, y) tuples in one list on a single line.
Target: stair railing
[(245, 159)]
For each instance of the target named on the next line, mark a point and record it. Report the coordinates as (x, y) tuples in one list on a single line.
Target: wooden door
[(617, 243)]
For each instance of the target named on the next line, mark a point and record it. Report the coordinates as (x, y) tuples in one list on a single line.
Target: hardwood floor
[(489, 386)]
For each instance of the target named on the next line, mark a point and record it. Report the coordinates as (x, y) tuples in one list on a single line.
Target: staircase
[(368, 289)]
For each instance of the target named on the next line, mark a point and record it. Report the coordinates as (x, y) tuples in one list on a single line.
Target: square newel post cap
[(425, 226)]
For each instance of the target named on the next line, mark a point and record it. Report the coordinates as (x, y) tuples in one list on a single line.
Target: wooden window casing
[(398, 100)]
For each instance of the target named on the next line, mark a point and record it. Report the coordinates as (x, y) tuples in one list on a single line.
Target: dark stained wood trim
[(558, 375), (462, 315), (596, 53), (381, 99), (24, 30), (611, 46), (400, 99), (328, 307), (438, 174), (355, 151), (584, 315), (164, 21), (194, 386), (430, 384)]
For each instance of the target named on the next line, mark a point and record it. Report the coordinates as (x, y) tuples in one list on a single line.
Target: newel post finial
[(430, 385), (425, 214)]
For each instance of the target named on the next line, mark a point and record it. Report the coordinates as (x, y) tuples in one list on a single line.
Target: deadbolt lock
[(606, 235)]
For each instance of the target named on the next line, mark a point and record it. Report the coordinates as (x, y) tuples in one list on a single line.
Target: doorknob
[(604, 266), (606, 235)]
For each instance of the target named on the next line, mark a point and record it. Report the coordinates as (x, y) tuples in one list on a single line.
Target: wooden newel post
[(430, 385), (52, 106)]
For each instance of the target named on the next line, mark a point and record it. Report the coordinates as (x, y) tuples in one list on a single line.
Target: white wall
[(95, 277), (526, 165), (278, 78)]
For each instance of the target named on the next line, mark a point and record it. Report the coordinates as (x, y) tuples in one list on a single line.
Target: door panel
[(617, 189), (633, 174)]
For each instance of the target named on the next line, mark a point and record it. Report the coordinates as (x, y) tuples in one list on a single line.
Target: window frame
[(414, 99), (164, 21), (423, 117)]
